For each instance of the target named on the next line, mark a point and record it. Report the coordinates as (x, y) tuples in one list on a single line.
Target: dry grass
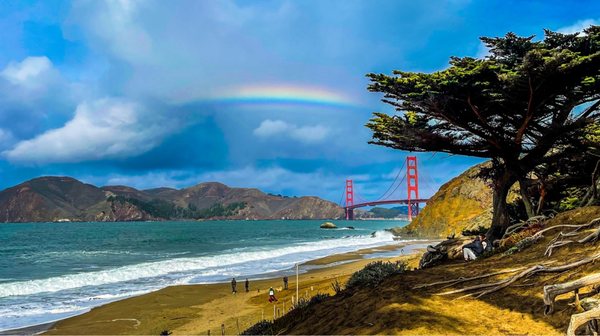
[(395, 308)]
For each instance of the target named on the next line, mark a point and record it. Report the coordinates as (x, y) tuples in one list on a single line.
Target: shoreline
[(183, 305)]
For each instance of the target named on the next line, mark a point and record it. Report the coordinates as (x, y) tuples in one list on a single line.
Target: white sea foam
[(24, 303), (180, 265)]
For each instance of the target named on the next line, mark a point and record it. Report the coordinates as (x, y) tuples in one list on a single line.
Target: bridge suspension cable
[(384, 195)]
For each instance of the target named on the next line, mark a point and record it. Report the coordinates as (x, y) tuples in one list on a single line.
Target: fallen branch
[(552, 291), (579, 319), (461, 279)]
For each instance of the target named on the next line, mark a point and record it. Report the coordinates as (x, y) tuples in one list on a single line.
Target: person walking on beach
[(285, 282), (272, 297), (233, 286), (247, 285)]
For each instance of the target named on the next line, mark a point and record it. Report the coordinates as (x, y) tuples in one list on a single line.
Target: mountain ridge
[(63, 198)]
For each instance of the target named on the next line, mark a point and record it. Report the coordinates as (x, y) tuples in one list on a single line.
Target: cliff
[(48, 199), (465, 202)]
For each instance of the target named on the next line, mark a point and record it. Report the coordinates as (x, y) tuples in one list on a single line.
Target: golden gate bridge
[(412, 199)]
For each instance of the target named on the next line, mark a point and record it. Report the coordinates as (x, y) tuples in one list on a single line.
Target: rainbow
[(284, 94)]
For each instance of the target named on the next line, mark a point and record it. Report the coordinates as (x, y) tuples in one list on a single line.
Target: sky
[(263, 94)]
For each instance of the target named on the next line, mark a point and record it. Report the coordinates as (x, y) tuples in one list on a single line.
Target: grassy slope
[(463, 202), (394, 308)]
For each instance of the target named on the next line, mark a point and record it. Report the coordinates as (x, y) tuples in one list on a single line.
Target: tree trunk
[(500, 220), (591, 196), (526, 200), (542, 198)]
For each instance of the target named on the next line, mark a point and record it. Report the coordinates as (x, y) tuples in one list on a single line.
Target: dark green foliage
[(528, 104), (156, 208), (522, 244), (388, 213), (337, 286), (169, 210), (263, 327), (219, 210), (374, 273), (475, 232)]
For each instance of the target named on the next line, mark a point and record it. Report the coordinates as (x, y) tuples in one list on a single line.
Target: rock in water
[(328, 225)]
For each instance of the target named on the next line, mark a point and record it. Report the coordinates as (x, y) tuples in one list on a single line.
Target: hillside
[(462, 203), (64, 198), (399, 306)]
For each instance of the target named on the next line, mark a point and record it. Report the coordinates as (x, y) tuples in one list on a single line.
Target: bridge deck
[(401, 201)]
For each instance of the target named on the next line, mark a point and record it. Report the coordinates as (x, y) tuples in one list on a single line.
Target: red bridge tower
[(412, 182), (349, 200)]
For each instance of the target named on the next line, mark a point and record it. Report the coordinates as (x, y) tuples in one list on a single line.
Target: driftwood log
[(552, 291), (590, 316)]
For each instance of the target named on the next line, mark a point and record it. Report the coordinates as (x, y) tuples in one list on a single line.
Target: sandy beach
[(198, 309)]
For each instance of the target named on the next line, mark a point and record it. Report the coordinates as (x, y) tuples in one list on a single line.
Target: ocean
[(50, 271)]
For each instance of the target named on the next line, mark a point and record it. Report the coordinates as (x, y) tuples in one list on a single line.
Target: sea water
[(50, 271)]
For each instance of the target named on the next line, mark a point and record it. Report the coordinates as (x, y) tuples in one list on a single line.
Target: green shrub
[(337, 286), (374, 273), (263, 327), (475, 232)]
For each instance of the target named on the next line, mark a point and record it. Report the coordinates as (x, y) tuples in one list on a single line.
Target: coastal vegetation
[(54, 198), (504, 293), (168, 210), (529, 106)]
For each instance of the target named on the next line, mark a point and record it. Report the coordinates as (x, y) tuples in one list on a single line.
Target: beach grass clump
[(374, 273), (298, 312), (337, 286), (263, 327)]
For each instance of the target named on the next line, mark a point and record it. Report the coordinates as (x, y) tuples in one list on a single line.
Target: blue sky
[(266, 94)]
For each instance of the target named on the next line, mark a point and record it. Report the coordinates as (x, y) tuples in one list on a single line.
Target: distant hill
[(65, 198), (379, 212)]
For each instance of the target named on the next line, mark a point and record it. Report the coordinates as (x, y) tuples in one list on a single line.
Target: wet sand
[(196, 309)]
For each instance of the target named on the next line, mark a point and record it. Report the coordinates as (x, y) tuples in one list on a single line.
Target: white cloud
[(270, 127), (101, 129), (28, 70), (578, 26), (310, 134), (271, 179), (307, 134)]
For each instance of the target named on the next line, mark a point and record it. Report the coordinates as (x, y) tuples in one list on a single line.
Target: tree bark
[(542, 198), (500, 220), (591, 196), (526, 199)]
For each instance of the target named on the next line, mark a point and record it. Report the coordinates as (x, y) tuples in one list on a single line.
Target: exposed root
[(517, 227), (558, 242), (496, 286), (462, 279), (554, 245)]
